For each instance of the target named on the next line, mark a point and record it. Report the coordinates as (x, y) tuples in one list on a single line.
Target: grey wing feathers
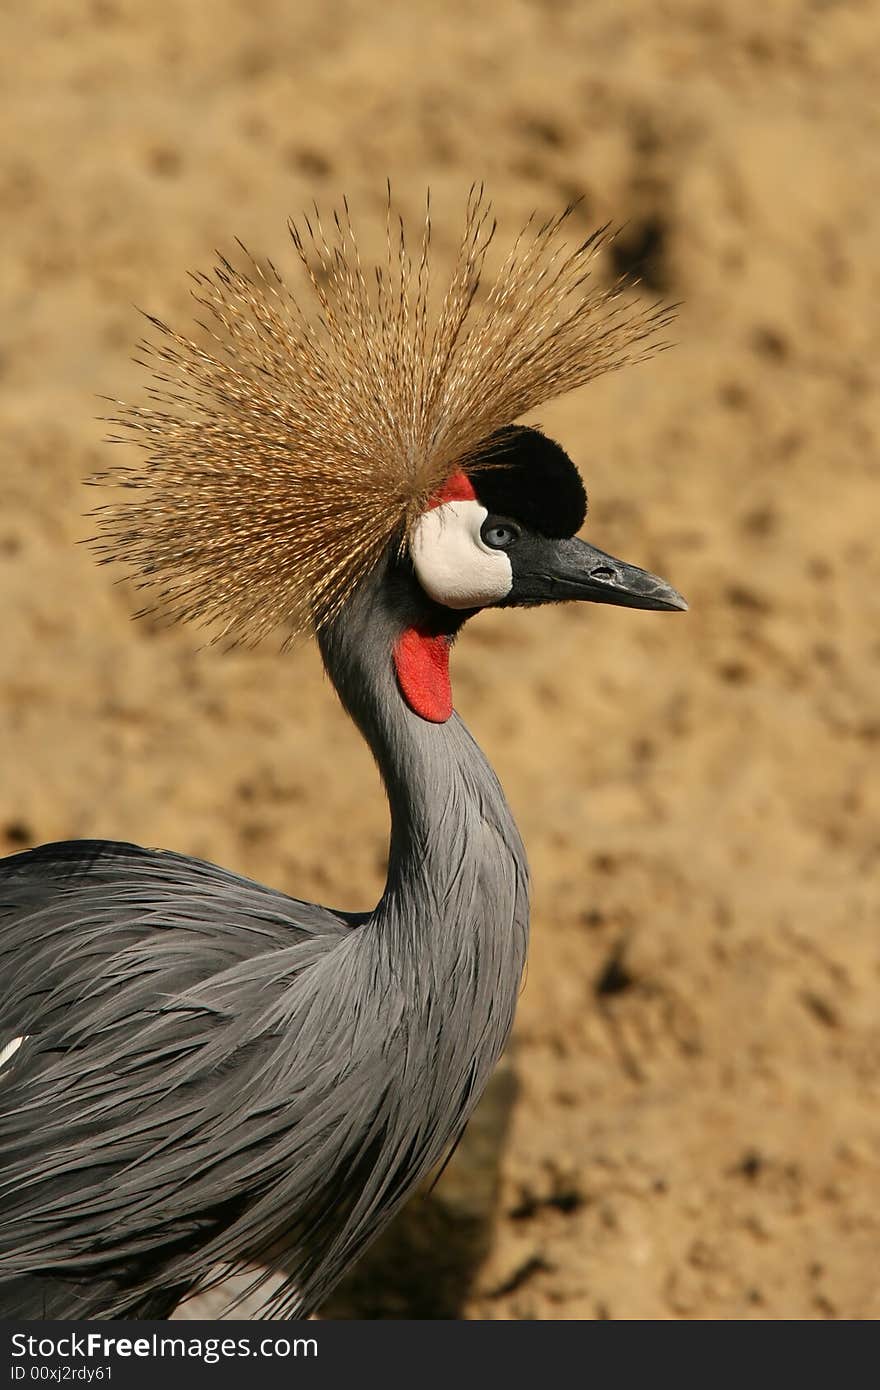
[(79, 903), (142, 985)]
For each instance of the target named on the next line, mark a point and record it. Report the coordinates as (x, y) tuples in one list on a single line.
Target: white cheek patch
[(452, 561)]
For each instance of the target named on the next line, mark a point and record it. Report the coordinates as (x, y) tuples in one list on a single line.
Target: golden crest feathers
[(289, 446)]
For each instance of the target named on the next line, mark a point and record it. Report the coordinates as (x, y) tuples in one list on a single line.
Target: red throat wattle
[(422, 665), (421, 660)]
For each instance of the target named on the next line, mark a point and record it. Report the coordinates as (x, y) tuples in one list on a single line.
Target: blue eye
[(499, 534)]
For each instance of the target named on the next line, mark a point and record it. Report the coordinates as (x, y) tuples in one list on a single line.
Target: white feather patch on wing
[(452, 562), (8, 1050)]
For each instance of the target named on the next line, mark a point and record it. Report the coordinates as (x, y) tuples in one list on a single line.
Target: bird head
[(304, 443), (503, 534)]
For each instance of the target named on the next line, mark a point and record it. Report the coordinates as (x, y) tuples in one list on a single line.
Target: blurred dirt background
[(688, 1123)]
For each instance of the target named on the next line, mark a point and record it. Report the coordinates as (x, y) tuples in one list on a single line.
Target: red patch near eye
[(422, 665), (458, 488)]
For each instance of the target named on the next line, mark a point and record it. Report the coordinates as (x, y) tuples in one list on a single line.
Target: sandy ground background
[(687, 1125)]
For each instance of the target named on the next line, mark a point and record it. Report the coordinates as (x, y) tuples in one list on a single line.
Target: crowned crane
[(198, 1072)]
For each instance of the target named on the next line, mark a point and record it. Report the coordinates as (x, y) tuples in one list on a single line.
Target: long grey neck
[(456, 862)]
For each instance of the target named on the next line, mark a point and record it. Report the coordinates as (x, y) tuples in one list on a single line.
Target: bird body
[(209, 1056), (199, 1072)]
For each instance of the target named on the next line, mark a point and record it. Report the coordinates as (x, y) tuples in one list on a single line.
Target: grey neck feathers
[(457, 869)]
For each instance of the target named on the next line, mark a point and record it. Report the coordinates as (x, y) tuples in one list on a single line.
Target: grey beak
[(571, 569)]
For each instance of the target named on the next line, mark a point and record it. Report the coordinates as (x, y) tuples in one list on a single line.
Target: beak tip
[(667, 597), (664, 597)]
